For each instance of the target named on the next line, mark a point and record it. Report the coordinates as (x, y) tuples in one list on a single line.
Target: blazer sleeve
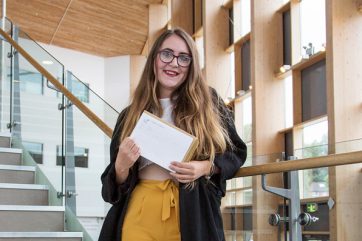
[(234, 157), (111, 191)]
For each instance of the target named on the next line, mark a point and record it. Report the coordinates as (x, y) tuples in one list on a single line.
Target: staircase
[(25, 214)]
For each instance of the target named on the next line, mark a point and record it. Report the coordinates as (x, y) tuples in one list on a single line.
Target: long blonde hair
[(194, 110)]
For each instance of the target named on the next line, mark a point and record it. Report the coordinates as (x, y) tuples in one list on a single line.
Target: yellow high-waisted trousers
[(152, 213)]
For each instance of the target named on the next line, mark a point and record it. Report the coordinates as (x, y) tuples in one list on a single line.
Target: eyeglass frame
[(173, 57)]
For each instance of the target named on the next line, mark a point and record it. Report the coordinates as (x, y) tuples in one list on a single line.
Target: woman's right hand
[(127, 155)]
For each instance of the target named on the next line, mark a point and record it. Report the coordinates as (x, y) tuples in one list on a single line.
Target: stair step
[(5, 139), (43, 236), (10, 156), (23, 194), (16, 218), (17, 174)]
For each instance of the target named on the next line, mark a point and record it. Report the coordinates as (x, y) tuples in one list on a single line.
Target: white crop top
[(167, 116)]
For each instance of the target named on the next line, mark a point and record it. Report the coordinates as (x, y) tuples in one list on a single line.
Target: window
[(287, 39), (239, 189), (313, 26), (80, 90), (59, 156), (313, 237), (245, 122), (245, 17), (197, 14), (231, 26), (314, 91), (288, 144), (288, 102), (31, 82), (245, 66), (80, 156), (200, 48), (35, 150), (321, 211), (246, 132), (314, 182), (231, 86), (247, 219)]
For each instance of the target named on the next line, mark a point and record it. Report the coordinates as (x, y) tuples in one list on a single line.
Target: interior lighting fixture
[(228, 100), (47, 62), (323, 48), (284, 68), (240, 93)]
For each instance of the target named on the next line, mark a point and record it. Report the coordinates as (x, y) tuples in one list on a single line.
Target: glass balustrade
[(92, 100), (29, 110), (69, 150), (5, 102), (87, 155)]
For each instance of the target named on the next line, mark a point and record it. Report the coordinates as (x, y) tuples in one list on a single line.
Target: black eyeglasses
[(167, 56)]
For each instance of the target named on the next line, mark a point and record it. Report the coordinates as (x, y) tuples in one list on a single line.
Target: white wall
[(87, 68), (117, 81), (107, 77)]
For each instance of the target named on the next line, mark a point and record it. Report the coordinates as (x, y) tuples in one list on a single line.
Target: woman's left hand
[(186, 172)]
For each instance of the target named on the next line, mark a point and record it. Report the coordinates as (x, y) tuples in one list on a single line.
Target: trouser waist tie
[(170, 191)]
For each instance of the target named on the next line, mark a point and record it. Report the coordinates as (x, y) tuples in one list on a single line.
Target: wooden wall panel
[(137, 64), (344, 57), (157, 22), (268, 115), (197, 12), (182, 15), (296, 36), (216, 40)]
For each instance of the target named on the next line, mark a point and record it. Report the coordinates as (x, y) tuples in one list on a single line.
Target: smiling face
[(171, 75)]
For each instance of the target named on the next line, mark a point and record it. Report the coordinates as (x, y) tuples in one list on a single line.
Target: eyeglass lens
[(183, 60)]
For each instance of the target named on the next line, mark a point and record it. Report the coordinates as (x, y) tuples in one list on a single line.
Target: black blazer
[(200, 216)]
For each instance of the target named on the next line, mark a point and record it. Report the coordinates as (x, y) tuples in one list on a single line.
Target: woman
[(149, 202)]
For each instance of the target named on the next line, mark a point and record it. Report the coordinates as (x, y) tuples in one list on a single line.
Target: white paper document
[(160, 142)]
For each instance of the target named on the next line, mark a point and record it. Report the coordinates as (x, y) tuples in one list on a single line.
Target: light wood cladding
[(198, 15), (305, 63), (103, 28), (216, 40), (157, 22), (137, 64), (228, 4), (268, 117), (344, 85), (296, 31), (302, 164), (181, 15), (284, 8)]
